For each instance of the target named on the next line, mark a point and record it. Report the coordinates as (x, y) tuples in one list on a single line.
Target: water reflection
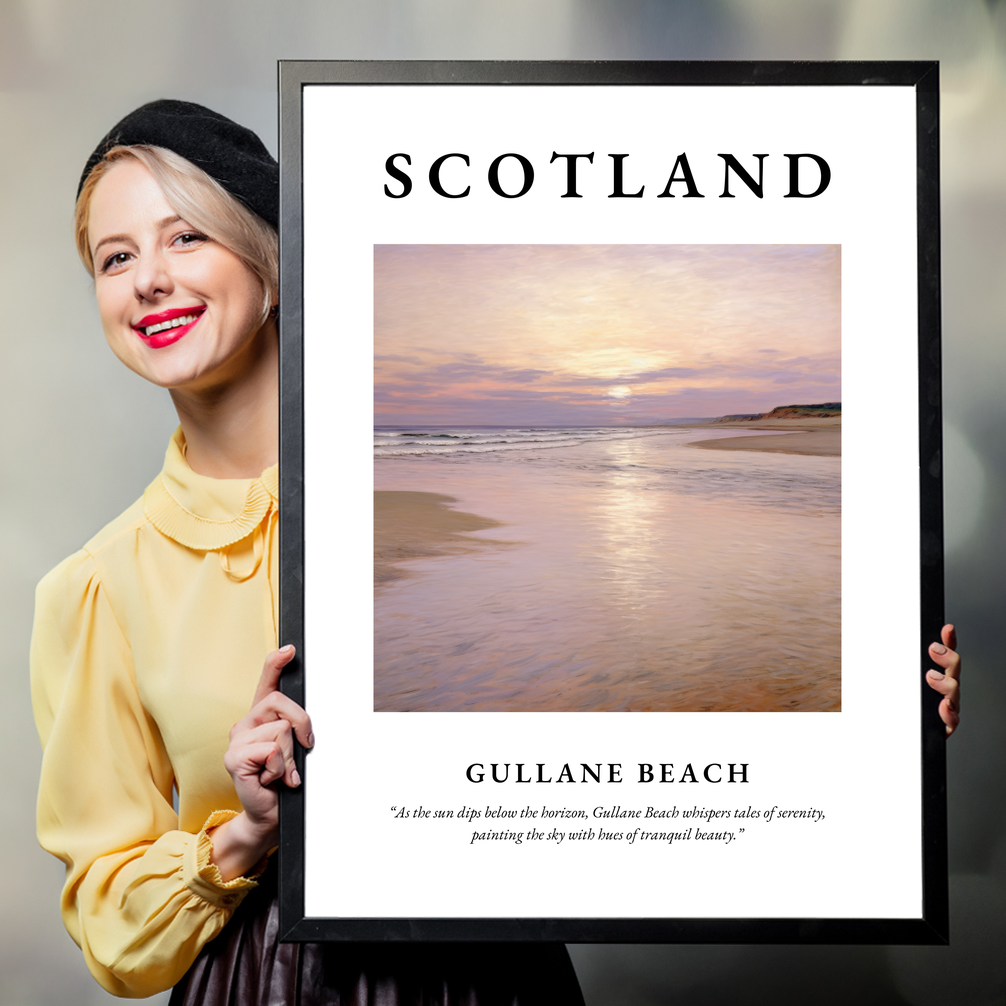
[(647, 575)]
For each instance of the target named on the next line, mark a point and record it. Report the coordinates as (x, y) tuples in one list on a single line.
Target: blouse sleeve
[(141, 898)]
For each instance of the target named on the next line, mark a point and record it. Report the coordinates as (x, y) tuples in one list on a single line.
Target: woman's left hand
[(948, 681)]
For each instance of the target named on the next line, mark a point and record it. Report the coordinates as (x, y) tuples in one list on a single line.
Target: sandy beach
[(819, 442), (818, 436), (570, 569), (414, 525), (801, 423), (548, 540)]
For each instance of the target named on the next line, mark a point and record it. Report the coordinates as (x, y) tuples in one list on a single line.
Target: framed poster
[(611, 501)]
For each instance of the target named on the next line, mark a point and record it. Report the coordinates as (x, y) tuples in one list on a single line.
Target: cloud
[(727, 327)]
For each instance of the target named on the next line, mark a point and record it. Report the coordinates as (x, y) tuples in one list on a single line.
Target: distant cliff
[(824, 410)]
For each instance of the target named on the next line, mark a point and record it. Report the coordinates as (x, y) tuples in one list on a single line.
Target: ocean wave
[(388, 441)]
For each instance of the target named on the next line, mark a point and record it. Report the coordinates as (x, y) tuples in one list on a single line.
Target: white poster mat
[(860, 766)]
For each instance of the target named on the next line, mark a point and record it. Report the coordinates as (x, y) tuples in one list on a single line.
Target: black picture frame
[(931, 926)]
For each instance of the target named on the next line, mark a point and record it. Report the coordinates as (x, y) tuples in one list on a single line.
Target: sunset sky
[(602, 335)]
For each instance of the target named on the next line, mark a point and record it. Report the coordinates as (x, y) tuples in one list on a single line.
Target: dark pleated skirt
[(246, 965)]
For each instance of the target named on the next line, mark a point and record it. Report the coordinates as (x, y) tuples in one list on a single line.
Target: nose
[(152, 277)]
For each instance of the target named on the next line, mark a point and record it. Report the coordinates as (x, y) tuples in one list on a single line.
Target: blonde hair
[(199, 200)]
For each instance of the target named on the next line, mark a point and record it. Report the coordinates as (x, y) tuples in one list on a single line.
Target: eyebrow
[(160, 225)]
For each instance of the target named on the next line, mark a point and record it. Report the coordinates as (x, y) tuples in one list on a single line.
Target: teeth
[(174, 323)]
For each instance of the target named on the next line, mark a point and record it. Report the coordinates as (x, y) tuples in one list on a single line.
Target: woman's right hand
[(260, 753)]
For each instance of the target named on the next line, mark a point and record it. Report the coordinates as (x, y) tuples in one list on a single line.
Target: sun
[(620, 391)]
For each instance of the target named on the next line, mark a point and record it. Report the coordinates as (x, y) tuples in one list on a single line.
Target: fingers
[(945, 653), (947, 681), (262, 761), (279, 764), (949, 636), (270, 703), (271, 671), (950, 716), (277, 706), (947, 686), (265, 751), (949, 711), (949, 660), (261, 749)]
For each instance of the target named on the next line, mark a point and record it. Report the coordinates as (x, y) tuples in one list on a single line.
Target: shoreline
[(821, 436), (814, 442), (793, 423), (418, 525)]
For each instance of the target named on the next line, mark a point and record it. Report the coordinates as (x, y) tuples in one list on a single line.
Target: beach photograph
[(607, 478)]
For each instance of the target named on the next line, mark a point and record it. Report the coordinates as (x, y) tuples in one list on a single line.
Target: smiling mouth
[(165, 324), (185, 319)]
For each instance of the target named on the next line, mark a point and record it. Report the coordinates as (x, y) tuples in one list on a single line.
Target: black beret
[(231, 154)]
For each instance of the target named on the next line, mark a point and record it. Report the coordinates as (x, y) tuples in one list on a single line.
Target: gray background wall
[(82, 437)]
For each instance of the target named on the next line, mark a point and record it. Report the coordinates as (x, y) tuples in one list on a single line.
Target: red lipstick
[(165, 333)]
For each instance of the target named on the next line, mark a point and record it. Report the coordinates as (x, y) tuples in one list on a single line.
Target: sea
[(630, 571)]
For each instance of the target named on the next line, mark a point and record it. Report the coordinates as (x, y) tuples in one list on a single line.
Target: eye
[(115, 261), (189, 239)]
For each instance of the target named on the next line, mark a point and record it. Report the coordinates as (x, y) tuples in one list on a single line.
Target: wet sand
[(417, 525), (820, 442), (638, 575)]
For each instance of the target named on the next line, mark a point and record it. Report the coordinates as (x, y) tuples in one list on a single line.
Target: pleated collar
[(203, 513)]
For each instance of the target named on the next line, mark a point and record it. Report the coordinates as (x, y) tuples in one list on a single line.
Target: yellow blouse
[(147, 647)]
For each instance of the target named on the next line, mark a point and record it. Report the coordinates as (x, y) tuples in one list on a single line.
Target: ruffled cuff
[(203, 878)]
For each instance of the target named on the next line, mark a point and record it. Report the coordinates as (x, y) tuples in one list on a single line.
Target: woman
[(148, 643)]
